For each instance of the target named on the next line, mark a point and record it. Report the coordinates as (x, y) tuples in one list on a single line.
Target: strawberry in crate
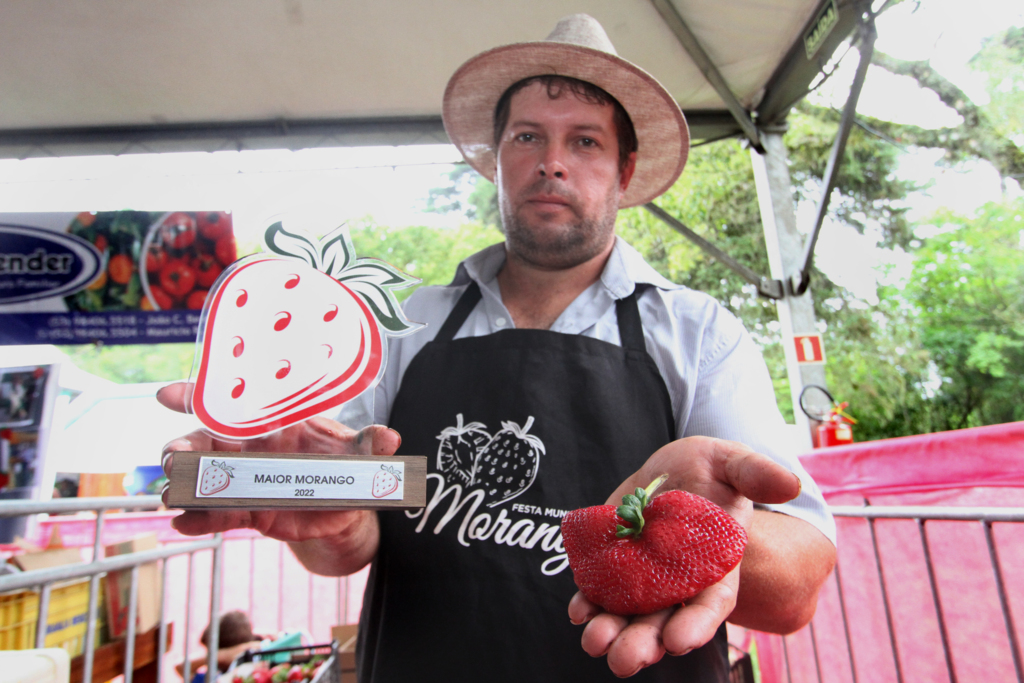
[(293, 332), (262, 672)]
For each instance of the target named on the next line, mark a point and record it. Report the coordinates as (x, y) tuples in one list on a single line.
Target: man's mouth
[(549, 202)]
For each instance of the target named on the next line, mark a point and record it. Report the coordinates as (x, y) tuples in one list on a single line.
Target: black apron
[(519, 427)]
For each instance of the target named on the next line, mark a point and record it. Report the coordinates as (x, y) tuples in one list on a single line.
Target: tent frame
[(830, 24), (796, 283)]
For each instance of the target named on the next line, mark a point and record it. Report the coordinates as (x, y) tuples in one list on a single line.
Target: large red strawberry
[(285, 339), (216, 477), (675, 545), (459, 446), (507, 465)]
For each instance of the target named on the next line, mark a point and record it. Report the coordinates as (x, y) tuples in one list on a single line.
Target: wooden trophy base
[(276, 481)]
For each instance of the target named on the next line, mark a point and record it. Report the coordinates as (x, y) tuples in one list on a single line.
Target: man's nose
[(551, 164)]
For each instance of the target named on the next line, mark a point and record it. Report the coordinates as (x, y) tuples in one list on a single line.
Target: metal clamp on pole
[(766, 286), (799, 282)]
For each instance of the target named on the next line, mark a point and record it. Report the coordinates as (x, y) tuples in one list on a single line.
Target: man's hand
[(335, 542), (730, 475)]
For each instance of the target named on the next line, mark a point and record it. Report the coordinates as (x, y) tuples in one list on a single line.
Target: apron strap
[(465, 305), (631, 330)]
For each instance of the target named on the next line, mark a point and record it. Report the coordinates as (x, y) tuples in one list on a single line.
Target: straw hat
[(579, 48)]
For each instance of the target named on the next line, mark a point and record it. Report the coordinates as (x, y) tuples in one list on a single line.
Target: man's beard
[(558, 247)]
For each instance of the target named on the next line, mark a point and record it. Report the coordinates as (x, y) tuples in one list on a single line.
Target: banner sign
[(115, 277)]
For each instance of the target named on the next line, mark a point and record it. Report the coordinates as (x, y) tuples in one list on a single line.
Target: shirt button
[(500, 322)]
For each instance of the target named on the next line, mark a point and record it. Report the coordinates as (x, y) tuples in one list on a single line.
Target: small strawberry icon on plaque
[(385, 481), (215, 478), (293, 332)]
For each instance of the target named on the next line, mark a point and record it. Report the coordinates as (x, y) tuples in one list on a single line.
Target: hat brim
[(663, 139)]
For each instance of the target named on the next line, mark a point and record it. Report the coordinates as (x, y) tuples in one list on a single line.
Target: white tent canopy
[(116, 76)]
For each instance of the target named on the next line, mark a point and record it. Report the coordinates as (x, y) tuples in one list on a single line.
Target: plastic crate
[(65, 623), (329, 672)]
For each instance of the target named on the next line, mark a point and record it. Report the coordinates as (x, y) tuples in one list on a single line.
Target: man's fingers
[(202, 522), (175, 396), (758, 477), (695, 624), (384, 441), (716, 469), (601, 632), (582, 610), (198, 440), (321, 435), (639, 645)]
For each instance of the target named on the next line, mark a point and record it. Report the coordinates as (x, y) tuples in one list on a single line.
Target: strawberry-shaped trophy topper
[(292, 332)]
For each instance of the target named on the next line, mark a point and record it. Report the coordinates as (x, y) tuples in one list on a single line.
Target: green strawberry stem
[(632, 509)]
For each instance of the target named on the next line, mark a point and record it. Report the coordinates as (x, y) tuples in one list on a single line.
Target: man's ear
[(627, 172)]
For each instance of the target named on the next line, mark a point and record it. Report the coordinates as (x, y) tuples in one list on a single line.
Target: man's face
[(558, 178)]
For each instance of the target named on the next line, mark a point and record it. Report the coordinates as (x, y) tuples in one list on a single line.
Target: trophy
[(286, 335)]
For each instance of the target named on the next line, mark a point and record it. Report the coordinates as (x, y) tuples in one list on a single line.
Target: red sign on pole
[(809, 349)]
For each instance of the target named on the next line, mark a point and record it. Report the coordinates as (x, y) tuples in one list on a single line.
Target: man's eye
[(588, 142), (525, 137)]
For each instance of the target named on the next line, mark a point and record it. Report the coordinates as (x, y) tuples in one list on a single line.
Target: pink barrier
[(77, 531), (980, 467), (982, 456)]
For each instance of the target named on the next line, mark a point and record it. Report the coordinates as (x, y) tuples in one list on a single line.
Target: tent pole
[(707, 67), (785, 245), (801, 278)]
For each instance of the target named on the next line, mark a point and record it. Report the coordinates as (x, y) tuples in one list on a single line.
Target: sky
[(320, 188)]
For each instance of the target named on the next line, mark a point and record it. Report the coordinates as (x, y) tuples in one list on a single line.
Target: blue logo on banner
[(36, 263)]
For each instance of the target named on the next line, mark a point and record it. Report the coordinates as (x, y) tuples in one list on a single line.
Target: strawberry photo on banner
[(292, 332)]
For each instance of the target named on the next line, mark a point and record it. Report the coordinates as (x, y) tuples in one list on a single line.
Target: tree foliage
[(968, 290), (132, 364), (1001, 61), (430, 254), (716, 198), (993, 132), (466, 193)]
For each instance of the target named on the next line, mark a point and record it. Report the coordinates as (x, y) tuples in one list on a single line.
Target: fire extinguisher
[(835, 428)]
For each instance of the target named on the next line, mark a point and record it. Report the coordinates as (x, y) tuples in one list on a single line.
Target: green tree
[(992, 132), (466, 192), (1001, 61), (968, 290), (130, 364), (430, 254)]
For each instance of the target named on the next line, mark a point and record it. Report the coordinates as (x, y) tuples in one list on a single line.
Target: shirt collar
[(482, 266), (625, 269)]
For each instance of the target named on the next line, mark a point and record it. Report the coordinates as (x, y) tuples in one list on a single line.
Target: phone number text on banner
[(136, 327)]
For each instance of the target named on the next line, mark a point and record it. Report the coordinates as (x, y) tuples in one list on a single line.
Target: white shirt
[(715, 374)]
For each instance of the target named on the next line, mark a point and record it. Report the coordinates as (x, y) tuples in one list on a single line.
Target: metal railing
[(43, 579), (985, 517)]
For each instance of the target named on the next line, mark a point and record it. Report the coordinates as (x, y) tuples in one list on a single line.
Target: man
[(552, 369)]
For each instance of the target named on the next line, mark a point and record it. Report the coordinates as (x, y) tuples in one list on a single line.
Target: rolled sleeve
[(721, 388)]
